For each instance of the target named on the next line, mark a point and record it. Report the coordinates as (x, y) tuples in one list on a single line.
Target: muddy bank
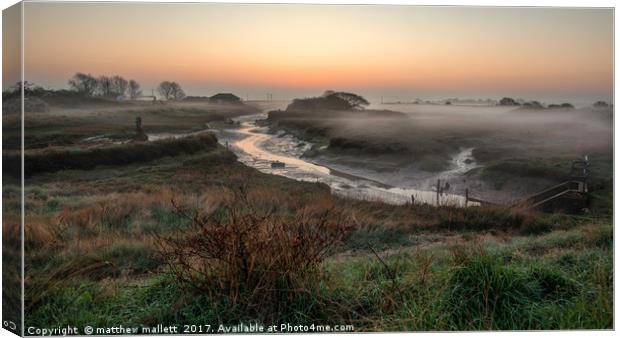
[(260, 149)]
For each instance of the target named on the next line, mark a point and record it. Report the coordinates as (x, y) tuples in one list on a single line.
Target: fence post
[(438, 182), (412, 200), (466, 196)]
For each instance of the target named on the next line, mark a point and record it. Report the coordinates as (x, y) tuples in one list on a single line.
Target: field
[(194, 237)]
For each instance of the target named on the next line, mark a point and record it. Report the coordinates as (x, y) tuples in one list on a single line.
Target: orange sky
[(301, 49)]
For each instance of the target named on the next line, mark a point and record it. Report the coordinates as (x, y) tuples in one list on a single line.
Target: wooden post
[(438, 191), (412, 200), (466, 196)]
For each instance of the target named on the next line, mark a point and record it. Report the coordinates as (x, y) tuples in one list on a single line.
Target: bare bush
[(252, 252)]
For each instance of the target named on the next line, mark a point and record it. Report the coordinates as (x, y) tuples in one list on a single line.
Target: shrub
[(89, 158), (252, 253)]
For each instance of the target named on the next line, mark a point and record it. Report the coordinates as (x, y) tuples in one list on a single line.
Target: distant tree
[(567, 105), (356, 101), (328, 93), (533, 105), (17, 87), (508, 101), (134, 89), (329, 100), (105, 86), (170, 90), (119, 85), (601, 104), (30, 89), (85, 84), (165, 89)]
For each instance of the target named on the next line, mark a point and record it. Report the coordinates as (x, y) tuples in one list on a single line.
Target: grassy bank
[(69, 125), (95, 255), (180, 232), (37, 162)]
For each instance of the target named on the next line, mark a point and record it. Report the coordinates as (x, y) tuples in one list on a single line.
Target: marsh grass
[(111, 247), (89, 158)]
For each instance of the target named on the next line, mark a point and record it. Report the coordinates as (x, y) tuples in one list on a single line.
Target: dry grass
[(11, 224)]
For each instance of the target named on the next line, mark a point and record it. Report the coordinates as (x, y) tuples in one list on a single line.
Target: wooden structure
[(566, 195), (277, 165)]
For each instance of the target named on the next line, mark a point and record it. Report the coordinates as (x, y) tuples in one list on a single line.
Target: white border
[(511, 3)]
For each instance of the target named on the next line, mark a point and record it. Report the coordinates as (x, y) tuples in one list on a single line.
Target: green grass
[(479, 293), (469, 287), (377, 237), (89, 158)]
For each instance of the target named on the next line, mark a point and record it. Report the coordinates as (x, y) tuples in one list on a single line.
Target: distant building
[(225, 98), (196, 98)]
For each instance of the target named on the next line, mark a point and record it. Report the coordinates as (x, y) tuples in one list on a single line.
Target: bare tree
[(508, 101), (119, 85), (165, 89), (170, 90), (84, 84), (104, 86), (134, 89)]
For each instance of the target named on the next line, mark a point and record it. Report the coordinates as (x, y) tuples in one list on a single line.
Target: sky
[(395, 52)]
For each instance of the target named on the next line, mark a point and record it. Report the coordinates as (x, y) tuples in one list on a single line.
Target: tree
[(17, 87), (134, 89), (508, 101), (170, 90), (356, 101), (104, 86), (119, 85), (601, 104), (30, 89), (328, 93), (85, 84), (533, 105), (329, 100)]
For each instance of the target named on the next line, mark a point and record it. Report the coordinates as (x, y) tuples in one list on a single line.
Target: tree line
[(509, 101), (116, 86)]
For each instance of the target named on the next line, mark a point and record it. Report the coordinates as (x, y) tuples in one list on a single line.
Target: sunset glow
[(301, 49)]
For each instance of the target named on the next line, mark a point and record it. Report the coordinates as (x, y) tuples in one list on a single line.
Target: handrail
[(543, 196), (555, 190)]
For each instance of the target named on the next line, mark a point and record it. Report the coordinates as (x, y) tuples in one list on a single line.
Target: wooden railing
[(552, 193), (542, 197), (579, 174)]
